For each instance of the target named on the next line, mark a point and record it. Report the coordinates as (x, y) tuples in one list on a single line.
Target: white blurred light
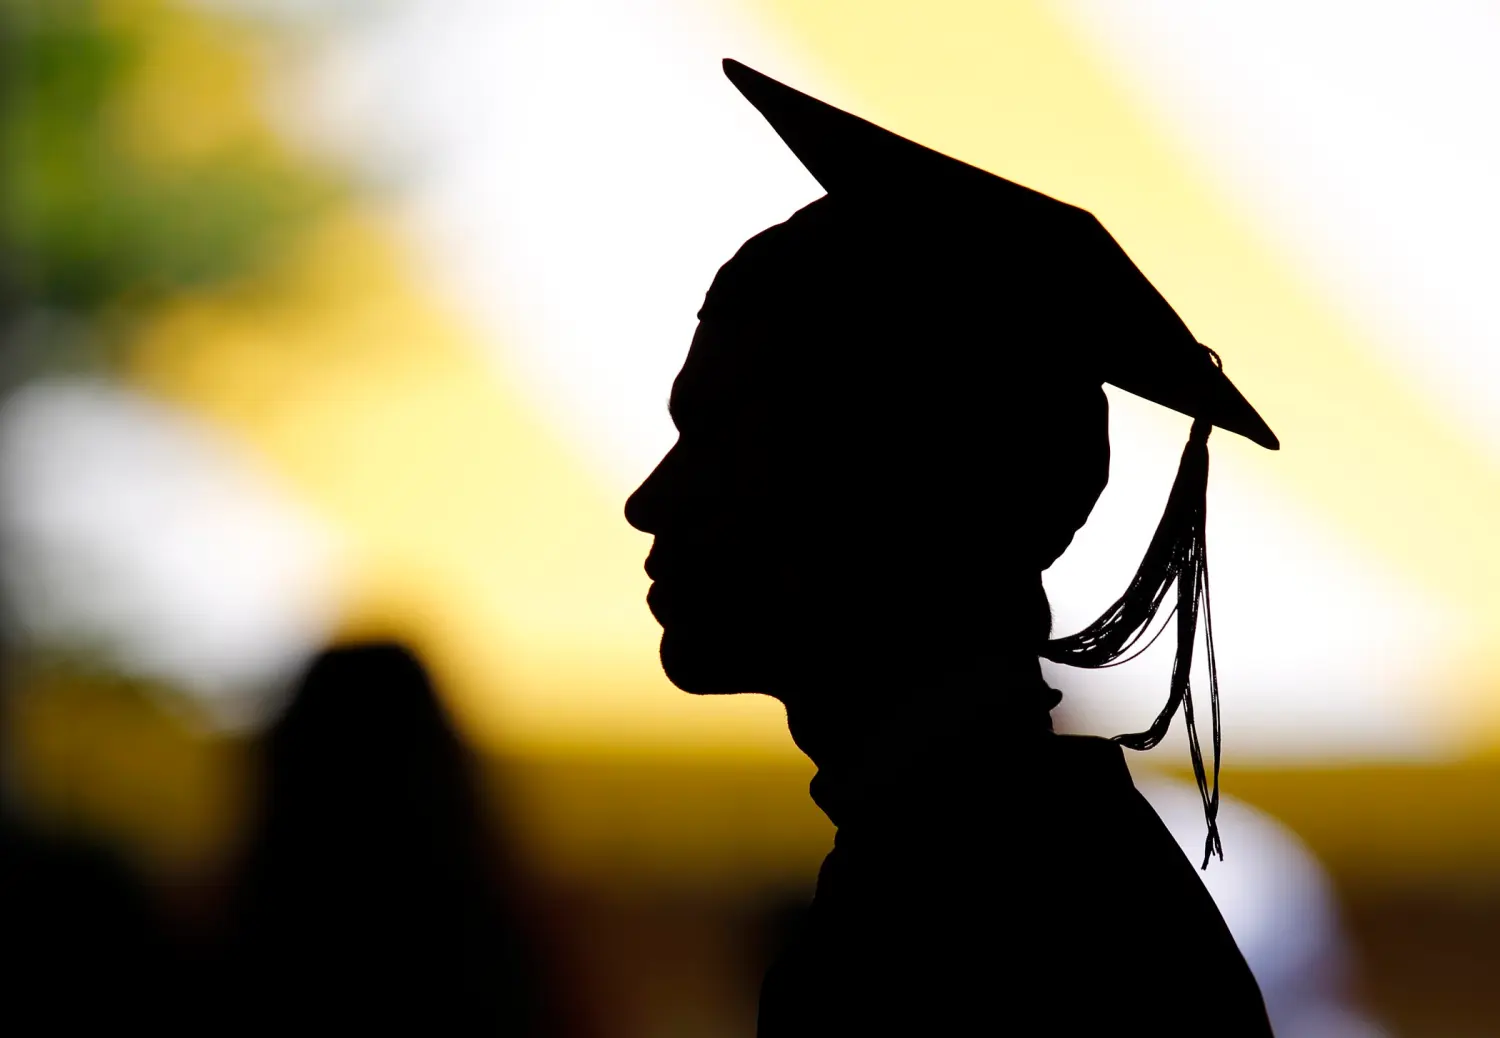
[(132, 534), (1361, 136), (576, 171), (1280, 907)]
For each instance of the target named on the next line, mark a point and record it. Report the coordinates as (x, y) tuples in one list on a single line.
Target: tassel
[(1177, 554)]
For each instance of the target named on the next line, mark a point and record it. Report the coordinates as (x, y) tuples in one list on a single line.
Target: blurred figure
[(82, 945), (372, 899)]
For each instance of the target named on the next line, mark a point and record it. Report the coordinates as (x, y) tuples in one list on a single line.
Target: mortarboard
[(1135, 341), (1159, 360)]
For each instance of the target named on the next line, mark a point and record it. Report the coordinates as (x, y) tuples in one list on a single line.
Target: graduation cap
[(1139, 345), (1159, 359)]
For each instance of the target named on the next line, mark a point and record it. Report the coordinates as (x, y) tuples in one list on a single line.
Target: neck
[(872, 743), (856, 721)]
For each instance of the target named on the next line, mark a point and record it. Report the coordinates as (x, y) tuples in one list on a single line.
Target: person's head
[(875, 460), (365, 756), (892, 419)]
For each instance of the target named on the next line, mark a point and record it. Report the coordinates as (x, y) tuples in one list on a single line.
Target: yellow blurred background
[(332, 321)]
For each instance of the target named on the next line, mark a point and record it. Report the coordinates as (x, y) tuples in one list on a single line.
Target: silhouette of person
[(891, 421), (82, 940), (370, 903)]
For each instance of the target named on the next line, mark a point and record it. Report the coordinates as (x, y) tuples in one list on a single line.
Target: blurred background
[(333, 334)]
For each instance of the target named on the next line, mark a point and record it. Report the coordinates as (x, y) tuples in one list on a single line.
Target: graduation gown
[(983, 884)]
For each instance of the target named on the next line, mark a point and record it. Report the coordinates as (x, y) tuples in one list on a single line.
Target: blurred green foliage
[(93, 227)]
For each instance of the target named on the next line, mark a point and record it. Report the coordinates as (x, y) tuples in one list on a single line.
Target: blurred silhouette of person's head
[(370, 898), (364, 752)]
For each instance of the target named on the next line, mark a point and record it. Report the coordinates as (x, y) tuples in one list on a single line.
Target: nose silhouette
[(643, 507)]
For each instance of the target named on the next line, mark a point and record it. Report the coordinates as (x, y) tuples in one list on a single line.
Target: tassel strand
[(1177, 554)]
